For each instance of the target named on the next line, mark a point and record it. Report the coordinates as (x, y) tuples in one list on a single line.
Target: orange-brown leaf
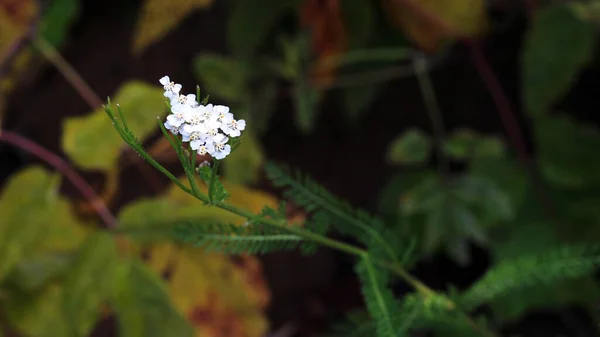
[(324, 19)]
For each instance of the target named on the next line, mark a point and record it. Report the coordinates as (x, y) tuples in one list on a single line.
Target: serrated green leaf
[(223, 77), (549, 69), (209, 176), (34, 217), (89, 284), (92, 143), (548, 268), (412, 147), (249, 24), (243, 166), (380, 301), (57, 20), (143, 307)]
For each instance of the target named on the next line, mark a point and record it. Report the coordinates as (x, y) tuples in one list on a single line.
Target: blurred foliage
[(153, 24), (59, 275), (461, 18), (548, 75), (88, 140)]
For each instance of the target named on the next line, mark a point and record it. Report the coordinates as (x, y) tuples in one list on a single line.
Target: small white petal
[(241, 124), (165, 80)]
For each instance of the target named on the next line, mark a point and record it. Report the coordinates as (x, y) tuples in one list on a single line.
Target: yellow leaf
[(35, 314), (218, 296), (34, 218), (15, 18), (464, 18), (159, 17), (91, 141)]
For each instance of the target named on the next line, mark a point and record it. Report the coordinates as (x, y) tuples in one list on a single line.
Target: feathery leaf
[(231, 239), (380, 300), (314, 197), (568, 261)]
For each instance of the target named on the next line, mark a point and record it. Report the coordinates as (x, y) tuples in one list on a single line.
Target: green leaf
[(210, 177), (57, 20), (451, 226), (380, 300), (306, 98), (412, 147), (465, 144), (89, 283), (516, 241), (143, 307), (34, 217), (250, 239), (568, 151), (223, 77), (504, 173), (547, 268), (244, 165), (92, 143), (549, 67), (249, 24), (460, 144)]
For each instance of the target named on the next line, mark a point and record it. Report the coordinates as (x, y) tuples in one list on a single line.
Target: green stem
[(434, 112), (323, 240), (213, 179), (191, 173)]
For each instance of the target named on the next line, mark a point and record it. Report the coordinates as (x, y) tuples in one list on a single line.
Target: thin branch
[(501, 101), (434, 112), (66, 170), (82, 87)]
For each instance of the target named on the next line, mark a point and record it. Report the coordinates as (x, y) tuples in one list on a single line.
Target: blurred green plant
[(59, 275)]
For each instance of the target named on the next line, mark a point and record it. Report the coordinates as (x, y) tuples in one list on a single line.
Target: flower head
[(200, 124), (171, 88)]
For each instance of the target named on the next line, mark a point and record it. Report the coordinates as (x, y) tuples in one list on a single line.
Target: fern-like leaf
[(379, 299), (313, 197), (569, 261), (318, 224), (231, 239), (355, 324)]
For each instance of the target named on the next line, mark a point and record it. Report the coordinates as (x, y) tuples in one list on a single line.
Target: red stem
[(501, 101), (63, 167)]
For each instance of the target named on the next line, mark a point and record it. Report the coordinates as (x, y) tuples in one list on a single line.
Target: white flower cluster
[(200, 124)]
